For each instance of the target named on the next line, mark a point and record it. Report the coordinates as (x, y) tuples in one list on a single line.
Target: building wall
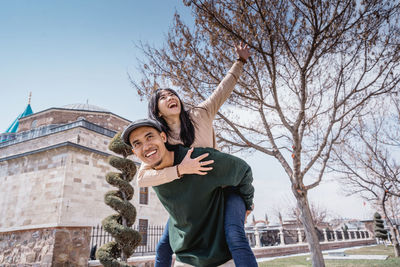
[(62, 116), (77, 135), (157, 215), (62, 246), (62, 186), (30, 189), (52, 186), (84, 189)]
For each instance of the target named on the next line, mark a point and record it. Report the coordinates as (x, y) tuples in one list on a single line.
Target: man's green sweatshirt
[(195, 204)]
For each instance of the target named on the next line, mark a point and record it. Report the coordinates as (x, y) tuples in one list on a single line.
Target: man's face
[(148, 145)]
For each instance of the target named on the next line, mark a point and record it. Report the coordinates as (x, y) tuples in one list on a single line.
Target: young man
[(195, 203)]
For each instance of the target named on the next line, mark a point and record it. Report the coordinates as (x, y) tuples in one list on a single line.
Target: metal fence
[(150, 237), (152, 234)]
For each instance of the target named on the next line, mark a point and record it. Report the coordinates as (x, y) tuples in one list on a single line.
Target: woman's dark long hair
[(187, 127)]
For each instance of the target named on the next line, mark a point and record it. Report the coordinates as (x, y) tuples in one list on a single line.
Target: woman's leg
[(163, 250), (235, 212)]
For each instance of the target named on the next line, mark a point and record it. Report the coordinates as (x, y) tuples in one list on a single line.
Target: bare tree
[(393, 230), (391, 212), (315, 65), (291, 211), (319, 213), (369, 163), (393, 208)]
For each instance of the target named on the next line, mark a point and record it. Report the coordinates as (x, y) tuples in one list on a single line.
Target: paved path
[(324, 252), (356, 257)]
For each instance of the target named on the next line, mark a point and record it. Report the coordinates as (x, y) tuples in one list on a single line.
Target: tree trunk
[(397, 248), (395, 242), (393, 232), (124, 223), (310, 230)]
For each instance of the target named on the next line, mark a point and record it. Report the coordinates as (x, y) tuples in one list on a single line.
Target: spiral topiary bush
[(379, 227), (119, 225)]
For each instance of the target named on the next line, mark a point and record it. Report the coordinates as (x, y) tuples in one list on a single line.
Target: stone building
[(262, 233), (52, 183)]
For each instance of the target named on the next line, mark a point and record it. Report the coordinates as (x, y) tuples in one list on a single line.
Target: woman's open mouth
[(173, 105)]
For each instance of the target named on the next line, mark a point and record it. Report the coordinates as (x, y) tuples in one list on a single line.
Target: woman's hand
[(242, 51), (194, 166)]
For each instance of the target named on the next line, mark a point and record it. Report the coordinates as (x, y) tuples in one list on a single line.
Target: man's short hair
[(137, 124)]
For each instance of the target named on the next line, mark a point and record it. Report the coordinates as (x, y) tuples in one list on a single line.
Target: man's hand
[(242, 51), (194, 166)]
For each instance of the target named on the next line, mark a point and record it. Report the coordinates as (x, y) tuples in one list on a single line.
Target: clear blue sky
[(72, 51)]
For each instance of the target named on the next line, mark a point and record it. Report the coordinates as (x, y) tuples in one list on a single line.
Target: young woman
[(193, 128)]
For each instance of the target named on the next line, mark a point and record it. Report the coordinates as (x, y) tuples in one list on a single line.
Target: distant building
[(261, 233), (52, 183)]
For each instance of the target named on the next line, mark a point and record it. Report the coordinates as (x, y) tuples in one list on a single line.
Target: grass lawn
[(300, 261)]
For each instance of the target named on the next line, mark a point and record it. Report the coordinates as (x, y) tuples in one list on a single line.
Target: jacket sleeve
[(149, 177), (246, 188), (223, 91), (233, 171)]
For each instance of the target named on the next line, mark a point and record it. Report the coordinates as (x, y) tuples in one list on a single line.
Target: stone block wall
[(78, 135), (45, 247), (62, 116), (60, 187), (54, 183), (84, 189), (31, 189), (71, 246)]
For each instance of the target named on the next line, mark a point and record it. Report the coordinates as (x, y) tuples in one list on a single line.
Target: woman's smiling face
[(168, 104)]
